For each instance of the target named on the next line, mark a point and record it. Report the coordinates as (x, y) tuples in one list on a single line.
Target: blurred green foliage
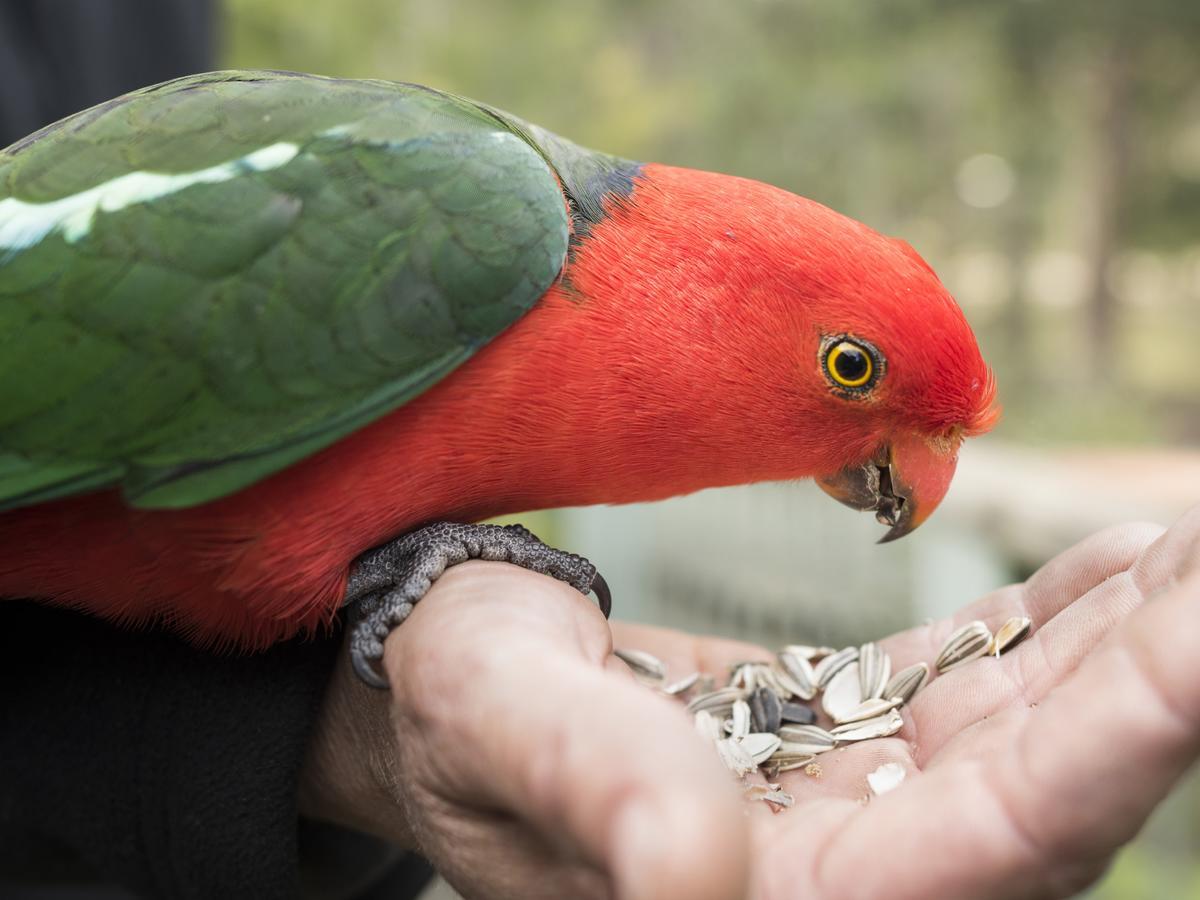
[(1044, 156)]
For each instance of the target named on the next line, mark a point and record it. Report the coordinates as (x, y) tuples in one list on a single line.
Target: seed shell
[(644, 664), (682, 686), (874, 669), (1010, 634), (735, 757), (800, 672), (967, 643), (743, 677), (718, 702), (786, 761), (868, 709), (806, 739), (843, 693), (832, 664), (905, 683), (707, 726), (740, 719), (760, 746), (880, 726), (886, 778)]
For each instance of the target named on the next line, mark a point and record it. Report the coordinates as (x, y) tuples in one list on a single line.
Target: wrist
[(350, 775)]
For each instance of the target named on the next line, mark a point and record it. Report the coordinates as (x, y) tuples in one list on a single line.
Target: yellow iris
[(849, 364)]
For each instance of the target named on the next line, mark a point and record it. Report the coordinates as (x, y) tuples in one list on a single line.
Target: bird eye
[(851, 364)]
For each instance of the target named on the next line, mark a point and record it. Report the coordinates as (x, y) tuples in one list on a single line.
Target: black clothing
[(129, 757), (132, 758)]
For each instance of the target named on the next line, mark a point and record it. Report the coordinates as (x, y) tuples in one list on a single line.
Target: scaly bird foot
[(386, 582)]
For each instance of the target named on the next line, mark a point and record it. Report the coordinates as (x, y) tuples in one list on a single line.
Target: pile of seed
[(765, 718)]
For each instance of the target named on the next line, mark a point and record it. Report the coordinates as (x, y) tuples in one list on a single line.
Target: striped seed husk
[(644, 664), (800, 672), (905, 683), (1010, 634), (832, 664), (965, 644), (874, 670)]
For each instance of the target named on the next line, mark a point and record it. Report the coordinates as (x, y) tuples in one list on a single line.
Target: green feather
[(207, 280)]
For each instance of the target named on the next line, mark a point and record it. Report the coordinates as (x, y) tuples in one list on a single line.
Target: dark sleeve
[(134, 758), (131, 758)]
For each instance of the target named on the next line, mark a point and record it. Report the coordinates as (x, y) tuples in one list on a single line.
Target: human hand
[(515, 738), (518, 755), (1025, 773)]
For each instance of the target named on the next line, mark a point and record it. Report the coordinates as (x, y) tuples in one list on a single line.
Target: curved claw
[(366, 671), (600, 588)]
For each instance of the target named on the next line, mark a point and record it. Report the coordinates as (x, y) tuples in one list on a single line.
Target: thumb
[(619, 773)]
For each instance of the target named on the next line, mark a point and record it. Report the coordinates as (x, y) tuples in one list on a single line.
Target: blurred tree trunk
[(1110, 117)]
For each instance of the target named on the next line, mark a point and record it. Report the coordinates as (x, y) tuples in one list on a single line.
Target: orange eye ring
[(851, 364)]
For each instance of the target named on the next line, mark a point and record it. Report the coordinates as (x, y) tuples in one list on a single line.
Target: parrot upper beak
[(903, 482)]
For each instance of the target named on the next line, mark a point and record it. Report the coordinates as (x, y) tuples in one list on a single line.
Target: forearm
[(349, 778)]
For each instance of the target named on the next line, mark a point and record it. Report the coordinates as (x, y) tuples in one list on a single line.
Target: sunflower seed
[(832, 664), (643, 664), (742, 676), (843, 693), (768, 676), (740, 719), (907, 682), (791, 688), (735, 757), (880, 726), (1010, 634), (868, 709), (765, 709), (886, 778), (707, 726), (718, 702), (874, 669), (967, 643), (682, 686), (760, 746), (797, 714), (799, 672), (806, 739)]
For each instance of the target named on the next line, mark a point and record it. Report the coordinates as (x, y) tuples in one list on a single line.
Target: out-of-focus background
[(1043, 156)]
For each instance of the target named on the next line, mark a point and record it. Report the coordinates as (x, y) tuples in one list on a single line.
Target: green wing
[(207, 280)]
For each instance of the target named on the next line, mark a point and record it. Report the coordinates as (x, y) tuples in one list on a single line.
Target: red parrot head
[(772, 338), (896, 377)]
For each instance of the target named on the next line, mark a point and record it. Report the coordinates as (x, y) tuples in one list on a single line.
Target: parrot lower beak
[(903, 482)]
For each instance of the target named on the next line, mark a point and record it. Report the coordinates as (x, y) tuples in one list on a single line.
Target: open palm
[(526, 763)]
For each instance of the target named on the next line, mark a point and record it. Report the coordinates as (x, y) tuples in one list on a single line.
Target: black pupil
[(851, 363)]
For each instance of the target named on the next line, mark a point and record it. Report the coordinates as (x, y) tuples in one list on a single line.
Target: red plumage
[(679, 351)]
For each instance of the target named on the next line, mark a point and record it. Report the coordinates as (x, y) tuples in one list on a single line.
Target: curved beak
[(903, 482)]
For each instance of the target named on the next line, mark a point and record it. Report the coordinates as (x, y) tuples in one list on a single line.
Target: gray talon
[(385, 582)]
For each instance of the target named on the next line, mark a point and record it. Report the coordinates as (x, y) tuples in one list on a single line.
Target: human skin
[(521, 757)]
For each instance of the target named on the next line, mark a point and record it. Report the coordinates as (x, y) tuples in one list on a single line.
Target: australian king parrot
[(269, 342)]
